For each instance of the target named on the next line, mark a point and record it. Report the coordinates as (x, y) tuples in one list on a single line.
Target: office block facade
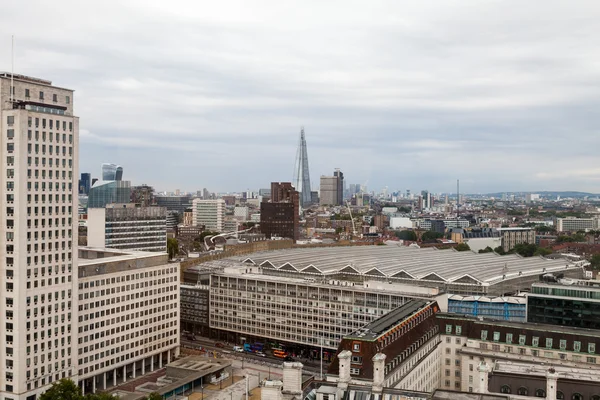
[(332, 189), (280, 216), (127, 227), (513, 236), (566, 305), (128, 316), (210, 213), (39, 138)]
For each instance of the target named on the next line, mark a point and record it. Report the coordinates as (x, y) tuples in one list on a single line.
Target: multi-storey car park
[(305, 298)]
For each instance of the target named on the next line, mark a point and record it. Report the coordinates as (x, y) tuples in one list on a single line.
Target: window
[(563, 344), (354, 371), (496, 336), (591, 360), (522, 340), (41, 95), (505, 389), (540, 393), (10, 133), (10, 120), (548, 343), (522, 391), (10, 147), (576, 346), (448, 329), (591, 348), (535, 341), (68, 100), (356, 360), (509, 338), (356, 347), (577, 396), (560, 395), (458, 330), (55, 98), (483, 335), (27, 93)]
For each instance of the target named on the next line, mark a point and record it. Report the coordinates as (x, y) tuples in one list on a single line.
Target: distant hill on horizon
[(545, 194)]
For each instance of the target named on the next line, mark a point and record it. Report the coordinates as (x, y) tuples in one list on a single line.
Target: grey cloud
[(502, 94)]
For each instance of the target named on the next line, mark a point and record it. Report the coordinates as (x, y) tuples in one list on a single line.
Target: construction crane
[(354, 233)]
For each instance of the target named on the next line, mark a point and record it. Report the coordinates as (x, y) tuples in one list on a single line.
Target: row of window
[(523, 391), (40, 95)]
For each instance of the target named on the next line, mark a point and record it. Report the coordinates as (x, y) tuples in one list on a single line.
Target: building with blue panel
[(513, 308)]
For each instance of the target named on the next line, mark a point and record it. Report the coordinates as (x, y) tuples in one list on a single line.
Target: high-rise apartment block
[(39, 138), (127, 227), (210, 213), (280, 216), (332, 189)]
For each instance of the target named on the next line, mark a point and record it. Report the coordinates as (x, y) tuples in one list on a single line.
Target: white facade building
[(39, 137), (127, 227), (576, 224), (241, 213), (128, 315), (210, 213)]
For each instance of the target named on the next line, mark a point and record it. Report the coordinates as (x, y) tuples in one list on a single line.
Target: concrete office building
[(128, 315), (572, 224), (513, 236), (128, 227), (301, 313), (210, 213), (39, 138), (241, 213), (332, 189)]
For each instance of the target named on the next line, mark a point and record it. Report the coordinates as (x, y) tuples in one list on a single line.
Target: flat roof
[(397, 261), (374, 329), (522, 325), (96, 261), (579, 374)]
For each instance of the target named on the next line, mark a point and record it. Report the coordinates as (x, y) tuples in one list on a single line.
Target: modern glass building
[(511, 308), (576, 305), (85, 183), (103, 193), (112, 172)]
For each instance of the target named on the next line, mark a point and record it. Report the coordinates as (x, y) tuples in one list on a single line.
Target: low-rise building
[(513, 236), (572, 224)]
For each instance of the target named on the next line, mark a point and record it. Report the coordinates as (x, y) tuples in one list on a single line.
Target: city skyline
[(400, 95)]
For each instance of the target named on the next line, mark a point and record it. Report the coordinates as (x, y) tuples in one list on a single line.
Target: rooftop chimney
[(292, 379), (378, 372), (344, 378), (484, 370)]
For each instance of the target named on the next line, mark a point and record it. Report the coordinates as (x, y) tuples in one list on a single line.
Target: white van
[(238, 349)]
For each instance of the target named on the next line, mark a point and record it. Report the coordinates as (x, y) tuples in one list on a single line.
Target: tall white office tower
[(39, 141)]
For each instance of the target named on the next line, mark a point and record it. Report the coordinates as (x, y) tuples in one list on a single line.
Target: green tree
[(542, 251), (65, 389), (499, 250), (462, 247), (595, 261), (488, 249), (172, 247), (406, 235), (431, 235)]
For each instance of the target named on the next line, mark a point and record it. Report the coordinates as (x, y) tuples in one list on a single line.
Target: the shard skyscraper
[(301, 175)]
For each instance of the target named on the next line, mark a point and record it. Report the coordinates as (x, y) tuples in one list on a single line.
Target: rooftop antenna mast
[(12, 71), (457, 199)]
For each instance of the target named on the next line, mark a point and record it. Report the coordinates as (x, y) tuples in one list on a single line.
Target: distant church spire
[(301, 175)]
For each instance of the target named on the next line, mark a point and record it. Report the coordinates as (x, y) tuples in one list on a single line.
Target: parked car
[(261, 354), (239, 349), (219, 345)]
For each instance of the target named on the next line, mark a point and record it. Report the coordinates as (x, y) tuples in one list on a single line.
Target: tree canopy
[(462, 247), (172, 247), (488, 249), (66, 389), (406, 235), (431, 235)]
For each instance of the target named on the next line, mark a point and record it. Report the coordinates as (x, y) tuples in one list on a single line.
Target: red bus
[(280, 353)]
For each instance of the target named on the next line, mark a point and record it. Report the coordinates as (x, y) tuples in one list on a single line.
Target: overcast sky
[(504, 95)]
